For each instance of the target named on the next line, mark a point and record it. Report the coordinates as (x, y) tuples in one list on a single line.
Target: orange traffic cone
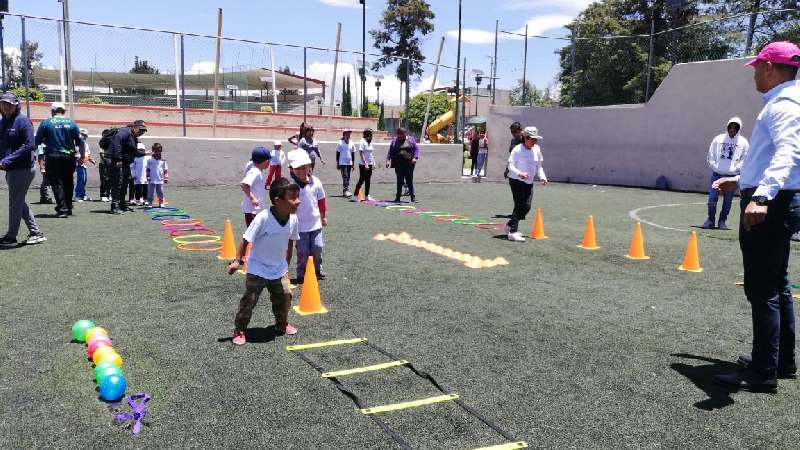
[(310, 302), (637, 244), (589, 241), (538, 226), (691, 259), (228, 250)]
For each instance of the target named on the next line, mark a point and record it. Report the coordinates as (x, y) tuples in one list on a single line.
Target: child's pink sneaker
[(286, 329), (238, 337)]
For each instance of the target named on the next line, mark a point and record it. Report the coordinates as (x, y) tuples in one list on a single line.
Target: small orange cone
[(637, 244), (589, 240), (228, 250), (691, 259), (538, 226), (310, 302)]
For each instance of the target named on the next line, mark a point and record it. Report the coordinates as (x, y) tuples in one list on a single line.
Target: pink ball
[(97, 342)]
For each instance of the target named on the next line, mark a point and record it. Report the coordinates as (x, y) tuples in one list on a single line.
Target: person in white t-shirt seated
[(366, 154), (271, 234), (311, 214), (345, 158), (725, 157), (253, 186), (524, 163)]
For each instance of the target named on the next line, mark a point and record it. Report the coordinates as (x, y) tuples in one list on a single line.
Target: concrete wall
[(208, 162), (633, 145)]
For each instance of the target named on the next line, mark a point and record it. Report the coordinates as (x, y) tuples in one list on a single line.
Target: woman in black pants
[(366, 163), (403, 155)]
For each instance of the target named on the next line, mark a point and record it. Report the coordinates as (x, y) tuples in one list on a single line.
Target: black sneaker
[(8, 242), (62, 215), (722, 225), (45, 201), (748, 380), (413, 199), (397, 199), (707, 225), (117, 212), (783, 372)]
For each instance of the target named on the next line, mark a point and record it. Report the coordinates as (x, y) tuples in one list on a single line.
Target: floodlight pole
[(525, 68), (216, 74), (494, 60), (650, 56), (458, 74), (430, 92), (572, 67)]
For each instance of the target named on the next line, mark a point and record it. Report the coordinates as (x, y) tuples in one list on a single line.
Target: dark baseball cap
[(140, 124), (9, 97)]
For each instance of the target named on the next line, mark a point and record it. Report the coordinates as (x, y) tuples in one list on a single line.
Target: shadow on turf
[(258, 335), (718, 396)]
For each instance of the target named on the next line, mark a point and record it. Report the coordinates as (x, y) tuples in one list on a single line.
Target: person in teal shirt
[(60, 136)]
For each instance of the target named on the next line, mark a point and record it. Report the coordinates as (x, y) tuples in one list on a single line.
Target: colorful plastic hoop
[(173, 222), (449, 218), (196, 231), (156, 208), (490, 226), (470, 222), (190, 239), (171, 216), (198, 247), (169, 228)]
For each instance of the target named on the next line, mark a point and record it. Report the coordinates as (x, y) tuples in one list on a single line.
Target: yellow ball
[(113, 358), (101, 353), (96, 331)]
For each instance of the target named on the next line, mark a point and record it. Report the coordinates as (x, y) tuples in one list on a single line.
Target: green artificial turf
[(562, 347)]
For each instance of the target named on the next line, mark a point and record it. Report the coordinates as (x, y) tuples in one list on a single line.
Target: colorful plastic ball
[(90, 349), (80, 328), (107, 371), (98, 369), (92, 332), (101, 353), (95, 342), (112, 388), (113, 358)]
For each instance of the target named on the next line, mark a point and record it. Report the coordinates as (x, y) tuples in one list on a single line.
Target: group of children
[(149, 173), (296, 213)]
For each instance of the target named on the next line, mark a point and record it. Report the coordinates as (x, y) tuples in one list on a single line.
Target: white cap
[(298, 158), (531, 132), (57, 105), (83, 131), (277, 143)]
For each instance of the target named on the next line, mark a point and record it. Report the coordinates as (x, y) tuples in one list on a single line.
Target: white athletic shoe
[(515, 237), (104, 199)]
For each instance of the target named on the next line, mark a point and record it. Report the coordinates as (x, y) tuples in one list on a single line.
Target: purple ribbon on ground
[(138, 404)]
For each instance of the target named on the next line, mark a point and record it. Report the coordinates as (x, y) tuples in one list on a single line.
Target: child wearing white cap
[(276, 159), (311, 214), (524, 163)]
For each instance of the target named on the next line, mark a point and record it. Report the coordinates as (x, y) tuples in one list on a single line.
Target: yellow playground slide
[(443, 121)]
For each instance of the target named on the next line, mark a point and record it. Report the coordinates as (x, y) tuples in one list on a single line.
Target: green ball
[(80, 328), (105, 369)]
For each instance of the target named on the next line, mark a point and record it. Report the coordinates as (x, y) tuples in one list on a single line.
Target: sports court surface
[(561, 348)]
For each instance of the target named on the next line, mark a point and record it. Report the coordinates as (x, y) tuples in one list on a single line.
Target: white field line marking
[(634, 214)]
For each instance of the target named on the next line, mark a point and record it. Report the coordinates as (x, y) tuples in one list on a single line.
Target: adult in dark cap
[(17, 150), (121, 151)]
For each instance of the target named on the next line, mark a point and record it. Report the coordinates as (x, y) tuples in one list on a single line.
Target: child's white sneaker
[(515, 237)]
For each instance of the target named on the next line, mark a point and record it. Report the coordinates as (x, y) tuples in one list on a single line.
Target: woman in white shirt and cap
[(524, 163)]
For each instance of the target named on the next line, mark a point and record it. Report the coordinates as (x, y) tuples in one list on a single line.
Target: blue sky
[(306, 22)]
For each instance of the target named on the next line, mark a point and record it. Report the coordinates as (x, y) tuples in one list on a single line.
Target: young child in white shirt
[(524, 163), (311, 214), (139, 176), (345, 158), (271, 235), (253, 186), (276, 160), (157, 175)]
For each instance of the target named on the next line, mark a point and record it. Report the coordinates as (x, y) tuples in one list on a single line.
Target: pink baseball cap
[(781, 52)]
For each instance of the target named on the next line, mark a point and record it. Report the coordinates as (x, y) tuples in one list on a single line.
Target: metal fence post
[(494, 67), (183, 86), (305, 86), (572, 67), (2, 55), (25, 69), (650, 57), (525, 69)]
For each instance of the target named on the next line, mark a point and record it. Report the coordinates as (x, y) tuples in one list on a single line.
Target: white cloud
[(201, 67), (537, 25), (390, 84), (561, 5), (341, 3)]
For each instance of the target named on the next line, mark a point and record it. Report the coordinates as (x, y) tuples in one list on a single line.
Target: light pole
[(3, 8), (458, 72), (378, 87), (363, 70), (478, 78)]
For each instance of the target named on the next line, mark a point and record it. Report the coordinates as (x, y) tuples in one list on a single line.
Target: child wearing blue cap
[(253, 185)]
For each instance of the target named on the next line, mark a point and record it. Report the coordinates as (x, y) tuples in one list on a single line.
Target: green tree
[(532, 96), (613, 71), (141, 66), (416, 110), (347, 97), (402, 24), (381, 120), (15, 75), (766, 27)]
